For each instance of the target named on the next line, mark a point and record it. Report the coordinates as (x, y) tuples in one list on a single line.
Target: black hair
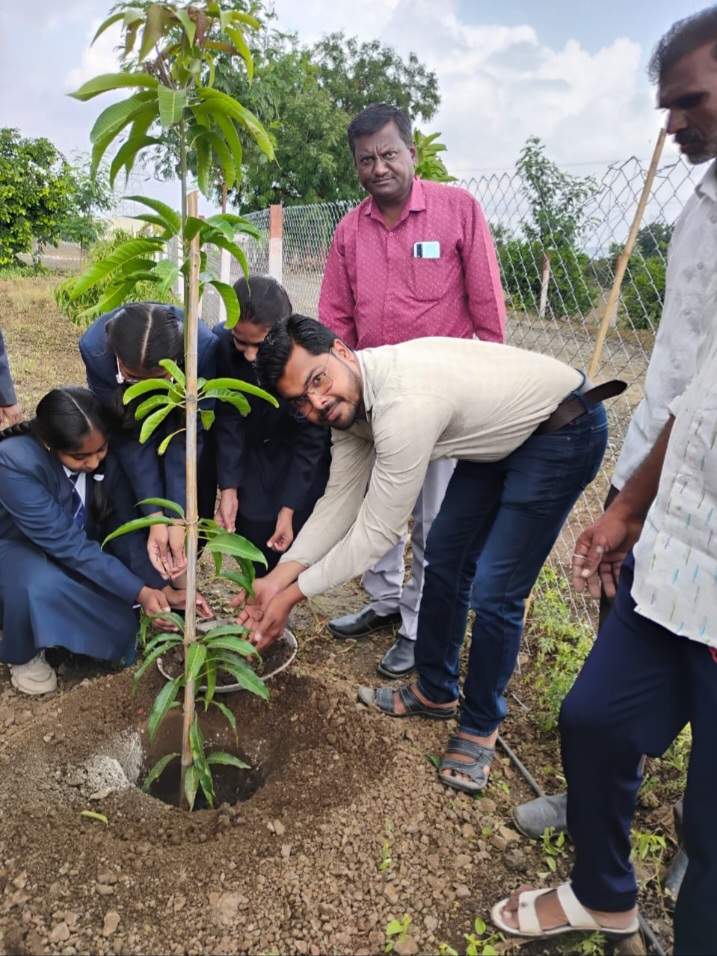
[(274, 351), (684, 37), (63, 419), (141, 334), (262, 300), (374, 118)]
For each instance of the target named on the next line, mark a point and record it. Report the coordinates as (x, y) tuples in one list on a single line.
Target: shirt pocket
[(430, 278)]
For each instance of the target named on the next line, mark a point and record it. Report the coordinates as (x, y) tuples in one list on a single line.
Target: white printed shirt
[(685, 322), (675, 581)]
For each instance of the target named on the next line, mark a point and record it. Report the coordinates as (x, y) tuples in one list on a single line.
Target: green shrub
[(643, 292), (143, 291), (570, 291)]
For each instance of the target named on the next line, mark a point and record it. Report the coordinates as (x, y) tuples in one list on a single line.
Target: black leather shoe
[(362, 623), (399, 659), (534, 817)]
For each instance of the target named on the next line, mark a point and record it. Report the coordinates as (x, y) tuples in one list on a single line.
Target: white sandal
[(578, 918)]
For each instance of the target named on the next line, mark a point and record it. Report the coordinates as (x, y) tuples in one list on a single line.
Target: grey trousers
[(384, 581)]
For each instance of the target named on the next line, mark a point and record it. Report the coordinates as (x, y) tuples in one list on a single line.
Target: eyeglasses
[(319, 384)]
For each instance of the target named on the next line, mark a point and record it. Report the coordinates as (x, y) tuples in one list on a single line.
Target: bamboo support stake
[(191, 509), (544, 283), (624, 257)]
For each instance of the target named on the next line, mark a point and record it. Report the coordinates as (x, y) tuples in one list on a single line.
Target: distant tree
[(654, 238), (92, 196), (36, 194)]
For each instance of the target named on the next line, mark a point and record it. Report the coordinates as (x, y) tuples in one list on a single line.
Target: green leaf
[(207, 416), (136, 525), (242, 48), (174, 370), (228, 714), (190, 27), (153, 29), (164, 444), (227, 760), (146, 385), (196, 740), (115, 117), (106, 24), (151, 656), (122, 255), (162, 703), (127, 154), (171, 105), (172, 219), (218, 238), (154, 401), (201, 147), (224, 158), (113, 81), (191, 784), (93, 815), (210, 672), (168, 273), (239, 579), (171, 616), (233, 224), (235, 545), (116, 295), (157, 771), (231, 303), (231, 138), (231, 398), (245, 18), (141, 121), (195, 661), (150, 424), (239, 385), (242, 673), (163, 503), (234, 110), (164, 638), (235, 644)]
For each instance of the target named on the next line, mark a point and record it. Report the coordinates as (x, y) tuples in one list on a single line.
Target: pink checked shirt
[(376, 292)]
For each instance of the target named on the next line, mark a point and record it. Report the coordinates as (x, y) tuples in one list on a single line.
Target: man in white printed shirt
[(653, 667), (528, 434)]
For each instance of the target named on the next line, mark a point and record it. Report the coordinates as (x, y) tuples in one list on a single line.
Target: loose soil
[(348, 826)]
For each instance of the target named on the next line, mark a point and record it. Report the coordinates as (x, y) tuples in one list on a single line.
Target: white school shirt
[(80, 484), (675, 581), (686, 319), (425, 399)]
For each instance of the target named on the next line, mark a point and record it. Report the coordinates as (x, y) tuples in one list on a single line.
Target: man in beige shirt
[(528, 438)]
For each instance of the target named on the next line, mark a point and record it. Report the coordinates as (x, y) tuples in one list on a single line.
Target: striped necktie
[(78, 508)]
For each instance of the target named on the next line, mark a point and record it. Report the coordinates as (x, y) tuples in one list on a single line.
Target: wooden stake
[(544, 283), (191, 319), (622, 260)]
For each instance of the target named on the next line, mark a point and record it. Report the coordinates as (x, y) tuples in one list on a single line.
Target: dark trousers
[(638, 688), (501, 518)]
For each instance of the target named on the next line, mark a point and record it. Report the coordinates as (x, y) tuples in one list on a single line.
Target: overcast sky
[(569, 71)]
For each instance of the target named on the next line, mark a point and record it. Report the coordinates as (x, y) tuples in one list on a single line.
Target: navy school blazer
[(273, 460), (36, 506), (151, 475)]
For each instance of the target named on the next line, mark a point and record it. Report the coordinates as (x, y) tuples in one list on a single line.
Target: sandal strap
[(408, 698), (384, 699), (483, 756), (574, 910), (528, 921)]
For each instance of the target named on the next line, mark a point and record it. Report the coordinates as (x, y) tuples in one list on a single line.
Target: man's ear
[(341, 349)]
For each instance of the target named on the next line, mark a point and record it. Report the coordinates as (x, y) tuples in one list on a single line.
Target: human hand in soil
[(270, 626), (10, 415), (226, 513), (283, 532), (253, 608), (601, 549), (177, 598)]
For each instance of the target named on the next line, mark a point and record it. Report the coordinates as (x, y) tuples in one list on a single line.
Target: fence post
[(276, 241), (544, 282), (622, 260)]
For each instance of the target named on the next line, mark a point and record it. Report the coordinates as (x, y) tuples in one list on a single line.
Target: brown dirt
[(350, 829)]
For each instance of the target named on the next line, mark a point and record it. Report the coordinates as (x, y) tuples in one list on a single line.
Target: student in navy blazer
[(271, 468), (57, 587), (126, 346)]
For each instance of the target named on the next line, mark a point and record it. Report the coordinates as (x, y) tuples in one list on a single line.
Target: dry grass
[(41, 343)]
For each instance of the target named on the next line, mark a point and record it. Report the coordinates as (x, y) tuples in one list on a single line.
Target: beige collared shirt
[(426, 399)]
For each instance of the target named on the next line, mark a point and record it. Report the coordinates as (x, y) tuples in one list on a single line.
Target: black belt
[(574, 405)]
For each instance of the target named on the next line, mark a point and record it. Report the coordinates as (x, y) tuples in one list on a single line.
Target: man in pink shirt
[(414, 259)]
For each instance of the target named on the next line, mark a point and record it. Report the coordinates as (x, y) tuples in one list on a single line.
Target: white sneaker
[(35, 677)]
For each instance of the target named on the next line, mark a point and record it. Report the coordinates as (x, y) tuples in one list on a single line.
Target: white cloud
[(101, 57)]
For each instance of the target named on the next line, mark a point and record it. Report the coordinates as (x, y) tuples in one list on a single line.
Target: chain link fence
[(556, 291)]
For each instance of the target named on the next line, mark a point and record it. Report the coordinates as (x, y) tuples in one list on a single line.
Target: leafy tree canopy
[(37, 190)]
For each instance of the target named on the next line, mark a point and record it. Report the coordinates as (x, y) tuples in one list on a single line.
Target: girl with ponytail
[(125, 346), (60, 494)]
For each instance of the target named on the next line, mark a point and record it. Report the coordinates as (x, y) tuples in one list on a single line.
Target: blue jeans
[(638, 688), (485, 549)]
